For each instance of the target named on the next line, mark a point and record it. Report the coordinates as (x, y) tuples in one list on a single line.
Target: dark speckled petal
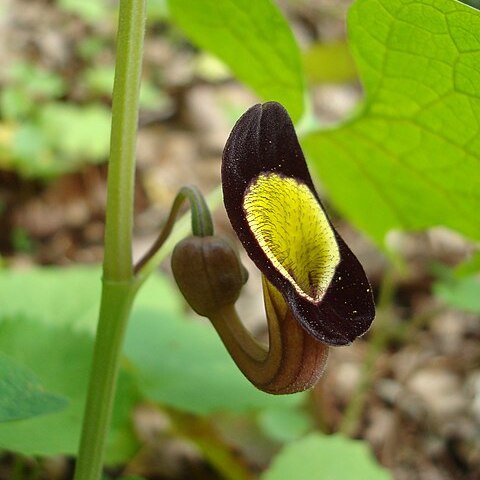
[(277, 214)]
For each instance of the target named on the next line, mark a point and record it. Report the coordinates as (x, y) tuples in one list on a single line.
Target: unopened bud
[(208, 272)]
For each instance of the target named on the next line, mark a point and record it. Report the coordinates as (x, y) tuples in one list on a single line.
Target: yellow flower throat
[(293, 231)]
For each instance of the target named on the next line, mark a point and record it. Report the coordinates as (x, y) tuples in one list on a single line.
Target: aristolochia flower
[(277, 214)]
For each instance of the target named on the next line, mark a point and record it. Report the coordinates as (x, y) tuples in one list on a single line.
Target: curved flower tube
[(209, 274), (278, 216), (292, 362)]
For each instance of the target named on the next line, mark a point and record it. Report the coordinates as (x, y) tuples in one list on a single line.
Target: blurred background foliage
[(390, 122)]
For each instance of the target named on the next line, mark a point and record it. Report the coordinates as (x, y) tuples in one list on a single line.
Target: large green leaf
[(36, 293), (22, 395), (79, 291), (48, 316), (61, 358), (410, 158), (326, 458), (253, 39), (182, 363)]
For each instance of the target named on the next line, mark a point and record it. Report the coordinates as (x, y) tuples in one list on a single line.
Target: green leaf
[(459, 287), (326, 458), (460, 293), (182, 363), (410, 158), (44, 286), (61, 358), (253, 39), (22, 395), (285, 424)]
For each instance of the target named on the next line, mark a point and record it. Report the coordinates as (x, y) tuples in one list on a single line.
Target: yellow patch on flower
[(292, 229)]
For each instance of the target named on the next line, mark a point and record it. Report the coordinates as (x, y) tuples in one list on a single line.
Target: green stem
[(115, 307), (121, 168), (119, 286)]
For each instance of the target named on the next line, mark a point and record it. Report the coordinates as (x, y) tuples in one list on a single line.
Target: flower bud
[(208, 272)]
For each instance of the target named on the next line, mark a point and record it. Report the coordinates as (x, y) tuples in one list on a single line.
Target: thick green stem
[(119, 286), (121, 168), (115, 308)]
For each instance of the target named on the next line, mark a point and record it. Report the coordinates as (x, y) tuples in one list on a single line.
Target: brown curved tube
[(293, 361)]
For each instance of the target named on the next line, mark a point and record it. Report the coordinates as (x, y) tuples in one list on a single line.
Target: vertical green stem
[(114, 311), (121, 168), (119, 285)]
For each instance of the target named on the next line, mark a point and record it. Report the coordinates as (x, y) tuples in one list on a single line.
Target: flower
[(277, 214)]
